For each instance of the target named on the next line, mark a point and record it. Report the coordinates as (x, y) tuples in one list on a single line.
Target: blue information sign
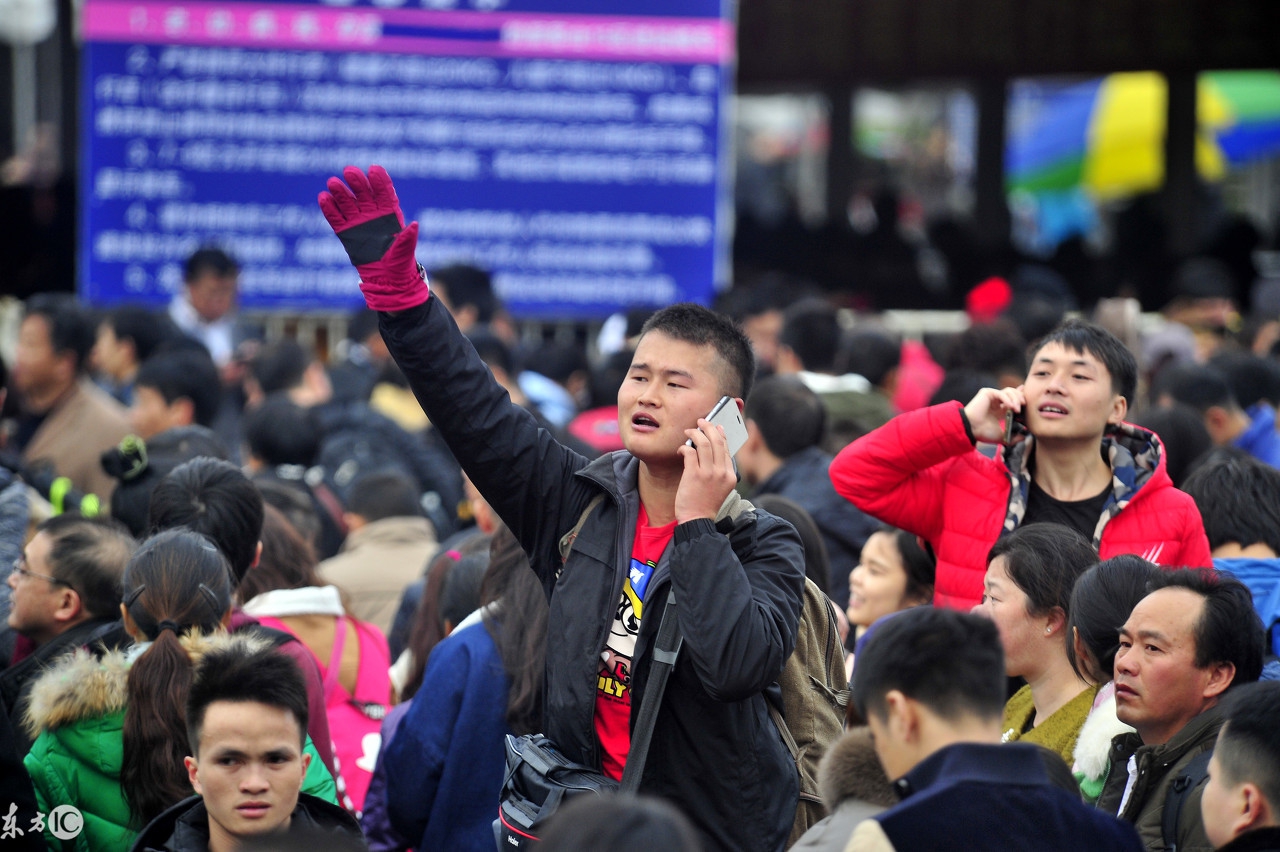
[(576, 149)]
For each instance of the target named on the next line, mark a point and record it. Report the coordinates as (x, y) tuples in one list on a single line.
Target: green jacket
[(1158, 766), (76, 717)]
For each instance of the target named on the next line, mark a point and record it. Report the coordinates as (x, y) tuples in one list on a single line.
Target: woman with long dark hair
[(484, 681), (1027, 593), (110, 734), (1101, 599)]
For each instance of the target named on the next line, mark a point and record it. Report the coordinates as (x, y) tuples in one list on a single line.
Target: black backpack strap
[(1188, 779), (566, 540), (665, 652)]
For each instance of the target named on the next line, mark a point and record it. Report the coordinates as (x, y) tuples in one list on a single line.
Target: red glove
[(368, 220)]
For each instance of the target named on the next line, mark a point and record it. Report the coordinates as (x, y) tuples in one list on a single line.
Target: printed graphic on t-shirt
[(614, 682)]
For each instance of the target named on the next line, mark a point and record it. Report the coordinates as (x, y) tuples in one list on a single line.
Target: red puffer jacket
[(921, 473)]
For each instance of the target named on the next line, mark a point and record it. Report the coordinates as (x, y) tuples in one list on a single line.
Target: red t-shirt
[(613, 686)]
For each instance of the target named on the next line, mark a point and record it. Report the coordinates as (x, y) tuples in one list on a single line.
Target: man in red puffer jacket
[(1069, 458)]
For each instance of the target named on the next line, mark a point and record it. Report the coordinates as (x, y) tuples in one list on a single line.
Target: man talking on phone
[(668, 521), (1068, 457)]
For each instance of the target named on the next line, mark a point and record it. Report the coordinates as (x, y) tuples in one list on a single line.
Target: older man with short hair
[(66, 595), (1186, 644)]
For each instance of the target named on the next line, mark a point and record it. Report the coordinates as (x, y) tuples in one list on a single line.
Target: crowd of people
[(259, 597)]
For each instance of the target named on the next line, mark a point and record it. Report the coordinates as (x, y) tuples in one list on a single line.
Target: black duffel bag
[(539, 779)]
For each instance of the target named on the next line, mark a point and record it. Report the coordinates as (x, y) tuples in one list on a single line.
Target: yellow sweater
[(1059, 732)]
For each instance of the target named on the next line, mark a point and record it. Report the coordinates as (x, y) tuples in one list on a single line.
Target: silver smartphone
[(726, 414)]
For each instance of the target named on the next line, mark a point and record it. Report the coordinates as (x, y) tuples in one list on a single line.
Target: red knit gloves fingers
[(365, 214)]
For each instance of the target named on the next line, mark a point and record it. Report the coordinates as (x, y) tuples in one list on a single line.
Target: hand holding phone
[(987, 413), (1015, 424), (708, 475), (727, 415)]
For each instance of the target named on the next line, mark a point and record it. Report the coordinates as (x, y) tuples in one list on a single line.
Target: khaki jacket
[(86, 423), (375, 564)]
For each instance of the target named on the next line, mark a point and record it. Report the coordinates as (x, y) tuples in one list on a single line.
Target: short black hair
[(1182, 432), (1238, 497), (1101, 602), (872, 353), (790, 416), (950, 662), (1077, 335), (383, 494), (771, 291), (280, 432), (691, 323), (184, 374), (280, 366), (145, 328), (465, 285), (1229, 630), (362, 324), (212, 497), (811, 329), (619, 822), (240, 673), (1248, 747), (1252, 379), (1197, 385), (460, 594), (209, 259), (89, 555), (72, 329), (961, 385), (1044, 561), (994, 347), (558, 360)]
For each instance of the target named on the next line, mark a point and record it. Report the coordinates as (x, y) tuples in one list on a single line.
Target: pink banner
[(393, 31)]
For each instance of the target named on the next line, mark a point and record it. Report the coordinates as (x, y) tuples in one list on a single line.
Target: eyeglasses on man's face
[(20, 568)]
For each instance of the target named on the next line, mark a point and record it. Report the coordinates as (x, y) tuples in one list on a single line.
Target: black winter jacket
[(184, 827), (715, 753)]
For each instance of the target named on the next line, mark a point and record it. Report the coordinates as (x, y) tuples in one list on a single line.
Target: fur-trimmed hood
[(83, 686), (1093, 747), (851, 770)]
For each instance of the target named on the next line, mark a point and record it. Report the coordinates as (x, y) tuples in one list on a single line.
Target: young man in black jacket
[(246, 726), (670, 523)]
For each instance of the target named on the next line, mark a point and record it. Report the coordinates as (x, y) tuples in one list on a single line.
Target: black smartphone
[(1014, 422)]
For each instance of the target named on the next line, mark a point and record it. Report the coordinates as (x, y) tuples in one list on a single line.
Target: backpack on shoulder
[(815, 688), (815, 691), (1190, 777)]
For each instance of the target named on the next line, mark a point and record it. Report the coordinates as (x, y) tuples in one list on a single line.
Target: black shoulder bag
[(539, 779)]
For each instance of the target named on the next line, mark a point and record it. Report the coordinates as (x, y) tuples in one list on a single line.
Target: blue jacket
[(448, 756), (1260, 439), (1262, 576), (990, 797), (804, 479)]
